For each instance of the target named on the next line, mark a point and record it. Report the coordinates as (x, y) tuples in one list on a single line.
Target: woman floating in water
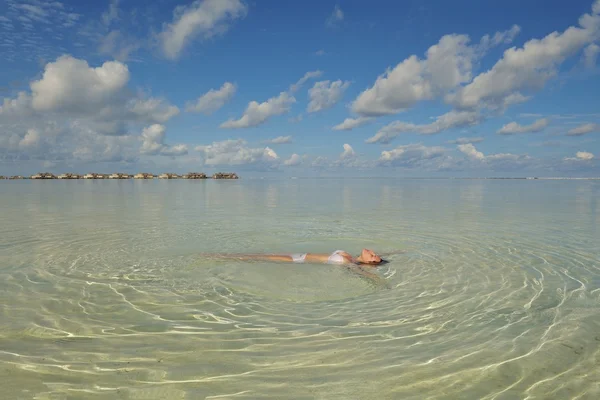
[(367, 258), (340, 257)]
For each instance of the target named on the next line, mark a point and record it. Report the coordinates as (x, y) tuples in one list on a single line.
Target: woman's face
[(369, 257)]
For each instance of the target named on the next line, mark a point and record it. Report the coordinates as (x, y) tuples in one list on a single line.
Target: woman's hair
[(377, 264)]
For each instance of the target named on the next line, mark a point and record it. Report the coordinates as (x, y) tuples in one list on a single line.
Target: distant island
[(118, 175)]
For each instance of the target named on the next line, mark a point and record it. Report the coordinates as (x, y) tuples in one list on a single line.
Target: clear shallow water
[(492, 290)]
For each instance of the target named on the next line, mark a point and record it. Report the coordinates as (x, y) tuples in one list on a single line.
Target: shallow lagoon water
[(492, 290)]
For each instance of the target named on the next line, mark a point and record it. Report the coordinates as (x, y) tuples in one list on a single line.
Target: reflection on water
[(492, 290)]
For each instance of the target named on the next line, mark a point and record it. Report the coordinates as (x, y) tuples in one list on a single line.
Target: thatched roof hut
[(119, 175), (169, 175), (225, 175), (144, 175), (69, 175), (195, 175), (43, 175)]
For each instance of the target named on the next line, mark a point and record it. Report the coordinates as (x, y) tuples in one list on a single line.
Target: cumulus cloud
[(528, 67), (348, 152), (294, 160), (465, 140), (325, 94), (336, 16), (309, 75), (410, 155), (75, 111), (471, 152), (213, 100), (153, 138), (236, 152), (584, 129), (350, 123), (258, 113), (446, 65), (203, 19), (514, 128), (452, 119), (280, 140), (475, 155), (581, 156), (70, 84), (31, 139)]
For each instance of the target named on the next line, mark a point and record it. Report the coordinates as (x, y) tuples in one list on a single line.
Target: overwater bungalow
[(168, 175), (43, 175), (16, 177), (119, 175), (91, 175), (195, 175), (144, 175), (2, 177), (225, 175), (69, 175)]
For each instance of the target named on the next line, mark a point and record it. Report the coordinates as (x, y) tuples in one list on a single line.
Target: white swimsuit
[(298, 257), (335, 258)]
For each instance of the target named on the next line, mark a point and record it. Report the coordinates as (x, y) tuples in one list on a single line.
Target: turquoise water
[(492, 290)]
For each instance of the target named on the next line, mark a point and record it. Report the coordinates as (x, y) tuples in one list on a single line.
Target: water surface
[(492, 290)]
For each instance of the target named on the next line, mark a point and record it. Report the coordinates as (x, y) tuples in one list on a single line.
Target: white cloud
[(581, 156), (69, 84), (151, 110), (499, 38), (79, 113), (309, 75), (153, 138), (584, 129), (17, 107), (447, 64), (336, 16), (526, 68), (465, 140), (213, 100), (31, 139), (411, 155), (280, 140), (470, 151), (514, 128), (294, 159), (348, 152), (202, 18), (475, 155), (236, 152), (590, 55), (351, 123), (452, 119), (320, 52), (325, 94), (258, 113)]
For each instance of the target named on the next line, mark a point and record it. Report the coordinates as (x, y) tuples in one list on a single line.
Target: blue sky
[(331, 88)]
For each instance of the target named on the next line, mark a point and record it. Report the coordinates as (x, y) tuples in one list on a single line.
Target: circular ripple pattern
[(117, 290)]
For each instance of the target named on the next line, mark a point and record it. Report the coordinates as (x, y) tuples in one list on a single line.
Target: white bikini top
[(336, 257)]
